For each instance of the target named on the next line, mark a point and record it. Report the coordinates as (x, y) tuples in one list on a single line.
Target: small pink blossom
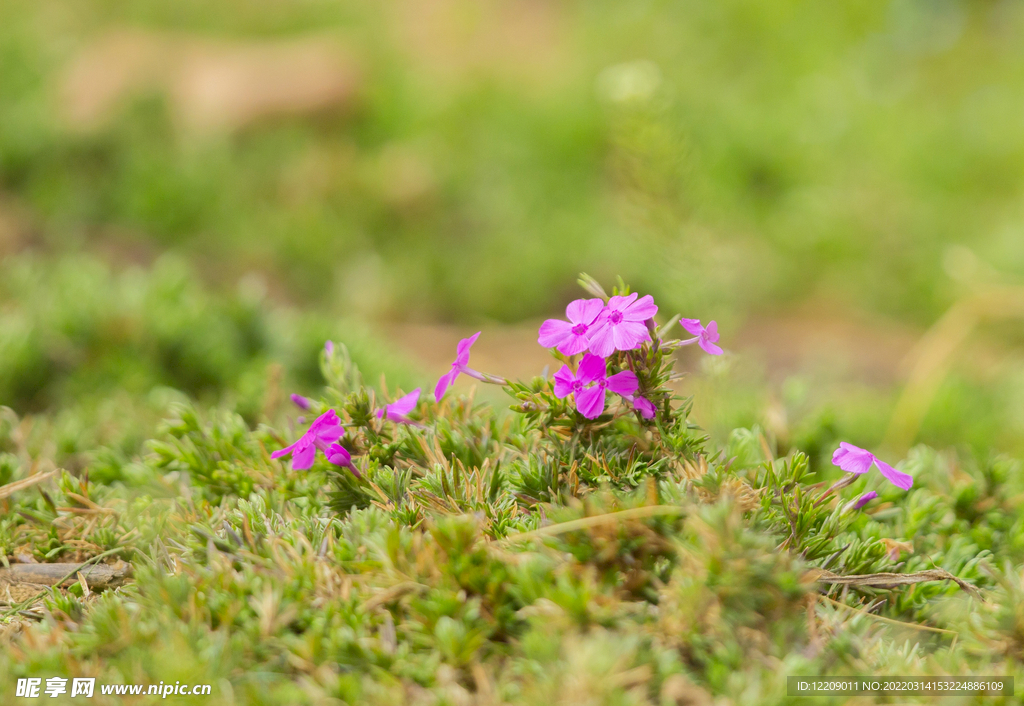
[(865, 499), (589, 383), (339, 455), (572, 336), (706, 338), (300, 401), (329, 348), (621, 326), (398, 411), (645, 407), (853, 459), (461, 365), (324, 430)]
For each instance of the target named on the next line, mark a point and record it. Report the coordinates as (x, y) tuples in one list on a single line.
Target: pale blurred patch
[(15, 229), (509, 351), (210, 85), (517, 39), (628, 82)]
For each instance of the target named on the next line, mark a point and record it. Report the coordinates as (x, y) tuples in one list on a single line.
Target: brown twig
[(77, 567), (11, 488), (888, 580)]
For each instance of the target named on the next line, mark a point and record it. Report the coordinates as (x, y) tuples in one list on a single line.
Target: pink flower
[(461, 365), (645, 407), (705, 337), (865, 499), (853, 459), (329, 348), (572, 336), (621, 325), (589, 383), (339, 456), (398, 410), (324, 430), (300, 401)]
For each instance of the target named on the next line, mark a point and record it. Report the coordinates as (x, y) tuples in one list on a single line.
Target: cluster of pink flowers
[(323, 434), (595, 329), (590, 382), (326, 431), (598, 330)]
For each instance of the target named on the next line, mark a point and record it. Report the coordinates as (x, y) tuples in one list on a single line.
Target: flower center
[(615, 317), (577, 386), (602, 384), (579, 329)]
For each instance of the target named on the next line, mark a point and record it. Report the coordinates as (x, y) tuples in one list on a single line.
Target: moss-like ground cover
[(480, 556)]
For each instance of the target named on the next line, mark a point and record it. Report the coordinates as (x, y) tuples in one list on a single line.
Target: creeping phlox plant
[(608, 414), (616, 361)]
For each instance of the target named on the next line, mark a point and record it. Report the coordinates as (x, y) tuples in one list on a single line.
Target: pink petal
[(324, 421), (288, 449), (584, 311), (841, 455), (304, 457), (624, 383), (712, 331), (692, 326), (330, 434), (709, 347), (865, 499), (640, 310), (850, 448), (629, 335), (852, 459), (590, 402), (591, 368), (900, 479), (574, 345), (563, 382), (404, 405), (462, 350), (553, 332), (444, 383), (620, 303), (602, 340), (645, 407), (339, 455)]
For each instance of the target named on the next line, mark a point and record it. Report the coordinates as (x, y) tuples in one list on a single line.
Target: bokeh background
[(195, 195)]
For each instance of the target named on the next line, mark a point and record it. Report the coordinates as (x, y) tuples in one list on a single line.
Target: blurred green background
[(192, 193)]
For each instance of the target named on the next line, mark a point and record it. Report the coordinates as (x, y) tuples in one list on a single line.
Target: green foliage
[(809, 126), (74, 328), (471, 556)]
